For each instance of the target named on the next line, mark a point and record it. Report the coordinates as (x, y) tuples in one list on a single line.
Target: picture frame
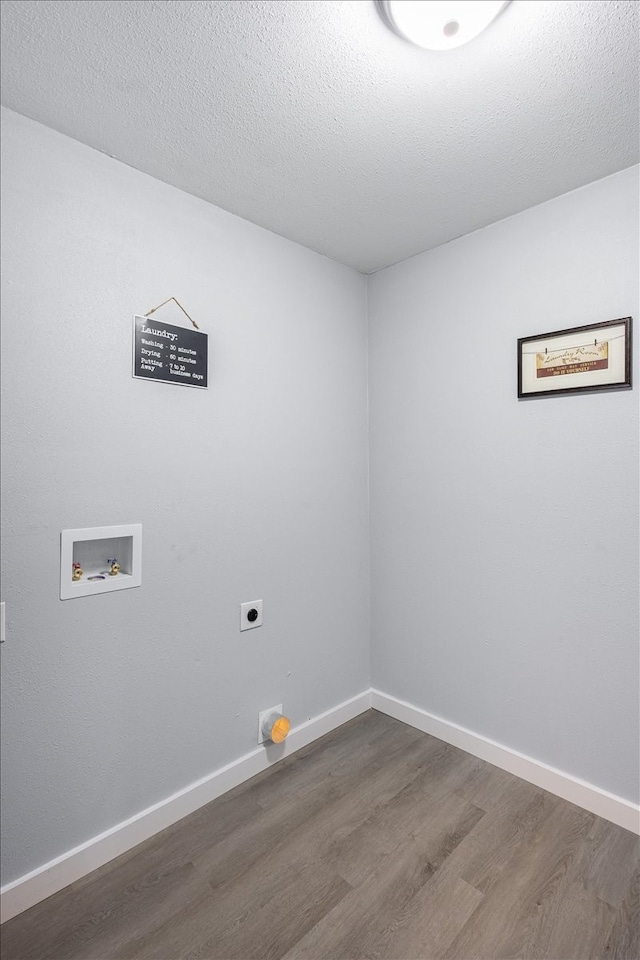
[(596, 356)]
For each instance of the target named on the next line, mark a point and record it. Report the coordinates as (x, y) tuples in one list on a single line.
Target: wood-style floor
[(377, 841)]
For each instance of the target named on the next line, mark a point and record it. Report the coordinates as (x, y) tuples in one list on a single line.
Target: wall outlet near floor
[(262, 716), (250, 614)]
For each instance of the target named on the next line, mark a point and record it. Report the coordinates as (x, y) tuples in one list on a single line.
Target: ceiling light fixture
[(440, 24)]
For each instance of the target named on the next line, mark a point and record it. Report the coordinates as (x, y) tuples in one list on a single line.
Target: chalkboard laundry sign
[(171, 354)]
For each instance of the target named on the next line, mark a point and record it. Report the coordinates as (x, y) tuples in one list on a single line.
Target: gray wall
[(504, 534), (255, 488)]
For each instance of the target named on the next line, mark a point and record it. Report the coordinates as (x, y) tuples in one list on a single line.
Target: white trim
[(59, 873), (71, 866), (608, 805)]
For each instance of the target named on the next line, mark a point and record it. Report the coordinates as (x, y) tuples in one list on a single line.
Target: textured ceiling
[(311, 118)]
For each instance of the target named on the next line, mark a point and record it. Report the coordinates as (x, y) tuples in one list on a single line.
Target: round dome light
[(440, 24)]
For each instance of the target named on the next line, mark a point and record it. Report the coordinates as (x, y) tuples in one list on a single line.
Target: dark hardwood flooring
[(377, 841)]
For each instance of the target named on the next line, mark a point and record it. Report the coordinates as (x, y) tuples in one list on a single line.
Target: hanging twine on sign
[(181, 307)]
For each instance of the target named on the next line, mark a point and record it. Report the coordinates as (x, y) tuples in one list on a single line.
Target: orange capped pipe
[(276, 727)]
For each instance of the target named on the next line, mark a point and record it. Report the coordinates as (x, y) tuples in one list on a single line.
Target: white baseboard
[(71, 866), (607, 805), (59, 873)]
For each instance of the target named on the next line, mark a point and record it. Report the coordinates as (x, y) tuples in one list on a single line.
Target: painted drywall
[(256, 488), (504, 533)]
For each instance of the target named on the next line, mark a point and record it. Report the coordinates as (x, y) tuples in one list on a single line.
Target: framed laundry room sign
[(596, 356), (169, 353)]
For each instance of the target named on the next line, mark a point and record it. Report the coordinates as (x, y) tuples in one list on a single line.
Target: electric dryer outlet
[(250, 614)]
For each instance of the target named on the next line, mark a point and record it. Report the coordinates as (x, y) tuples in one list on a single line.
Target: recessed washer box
[(92, 548)]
